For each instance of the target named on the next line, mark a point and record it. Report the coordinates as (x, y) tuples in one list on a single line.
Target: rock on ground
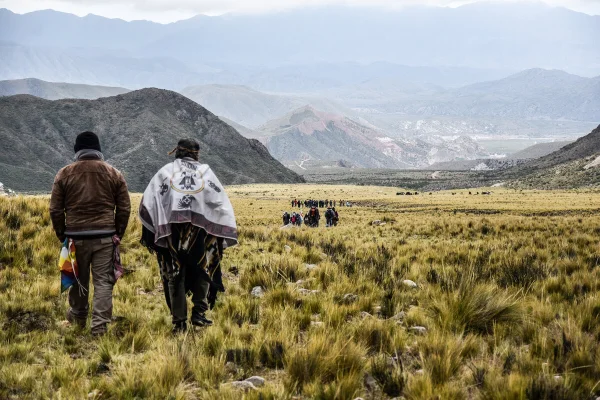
[(421, 330), (242, 385), (349, 298), (257, 381), (257, 291), (409, 283)]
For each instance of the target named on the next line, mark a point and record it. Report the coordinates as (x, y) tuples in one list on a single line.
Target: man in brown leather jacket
[(90, 204)]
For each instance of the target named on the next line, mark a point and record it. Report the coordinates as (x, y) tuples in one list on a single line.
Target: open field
[(507, 303)]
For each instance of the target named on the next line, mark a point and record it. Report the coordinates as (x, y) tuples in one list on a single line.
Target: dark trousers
[(189, 279)]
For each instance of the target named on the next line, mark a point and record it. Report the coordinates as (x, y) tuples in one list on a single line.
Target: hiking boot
[(99, 332), (78, 322), (179, 327), (201, 320)]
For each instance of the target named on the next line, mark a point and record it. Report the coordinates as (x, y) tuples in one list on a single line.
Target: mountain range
[(307, 135), (136, 129), (531, 94), (57, 91), (312, 128), (328, 47)]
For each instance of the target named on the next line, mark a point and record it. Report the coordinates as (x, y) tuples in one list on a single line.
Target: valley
[(447, 295)]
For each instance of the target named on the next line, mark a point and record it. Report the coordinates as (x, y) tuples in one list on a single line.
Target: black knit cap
[(87, 140)]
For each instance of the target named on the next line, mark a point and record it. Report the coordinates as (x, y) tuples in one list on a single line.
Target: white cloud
[(172, 10)]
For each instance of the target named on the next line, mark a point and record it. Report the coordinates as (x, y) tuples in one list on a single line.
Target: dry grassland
[(506, 304)]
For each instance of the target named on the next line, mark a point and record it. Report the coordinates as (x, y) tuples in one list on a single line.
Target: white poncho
[(187, 191)]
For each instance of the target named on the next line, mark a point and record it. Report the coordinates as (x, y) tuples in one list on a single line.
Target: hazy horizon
[(165, 11)]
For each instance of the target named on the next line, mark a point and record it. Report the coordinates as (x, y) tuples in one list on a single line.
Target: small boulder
[(410, 284), (349, 298), (242, 385), (399, 317), (371, 383), (420, 330), (376, 223), (310, 267), (316, 323), (257, 381), (287, 248), (257, 291), (231, 367), (364, 315)]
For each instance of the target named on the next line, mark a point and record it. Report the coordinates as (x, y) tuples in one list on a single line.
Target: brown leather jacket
[(94, 197)]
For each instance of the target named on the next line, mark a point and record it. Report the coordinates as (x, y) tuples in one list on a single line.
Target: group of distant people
[(313, 215), (320, 203)]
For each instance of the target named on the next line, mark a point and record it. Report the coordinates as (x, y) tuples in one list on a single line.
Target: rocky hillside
[(57, 90), (136, 130), (574, 165), (520, 158), (538, 150), (308, 134)]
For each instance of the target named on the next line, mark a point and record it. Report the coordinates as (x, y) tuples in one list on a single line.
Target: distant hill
[(136, 130), (312, 135), (535, 94), (519, 158), (94, 66), (574, 165), (584, 147), (250, 107), (538, 150), (57, 90)]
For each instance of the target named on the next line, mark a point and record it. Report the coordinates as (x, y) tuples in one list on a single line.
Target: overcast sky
[(172, 10)]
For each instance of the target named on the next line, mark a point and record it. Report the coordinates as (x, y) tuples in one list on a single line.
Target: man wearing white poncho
[(187, 221)]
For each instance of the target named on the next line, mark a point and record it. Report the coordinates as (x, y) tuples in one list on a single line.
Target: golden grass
[(508, 295)]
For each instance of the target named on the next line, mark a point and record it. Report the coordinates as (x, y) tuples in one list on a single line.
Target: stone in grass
[(349, 298), (371, 383), (287, 248), (409, 283), (257, 381), (257, 291), (421, 330), (242, 385), (399, 317), (364, 314), (307, 292), (310, 267), (231, 367)]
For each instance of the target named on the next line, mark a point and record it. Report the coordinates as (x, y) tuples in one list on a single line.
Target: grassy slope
[(508, 292)]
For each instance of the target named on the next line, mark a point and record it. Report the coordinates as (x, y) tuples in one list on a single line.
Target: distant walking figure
[(188, 228), (89, 208)]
